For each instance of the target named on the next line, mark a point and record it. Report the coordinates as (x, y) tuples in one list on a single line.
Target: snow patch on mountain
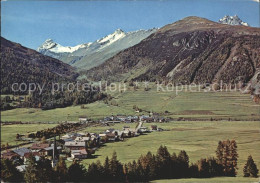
[(232, 20), (50, 45), (118, 34)]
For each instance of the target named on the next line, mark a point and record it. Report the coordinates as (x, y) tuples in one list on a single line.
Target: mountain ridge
[(190, 50), (91, 54)]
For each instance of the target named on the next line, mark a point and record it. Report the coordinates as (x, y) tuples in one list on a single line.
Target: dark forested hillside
[(190, 50), (20, 64), (23, 65)]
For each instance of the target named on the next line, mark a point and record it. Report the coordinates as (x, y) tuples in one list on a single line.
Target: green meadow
[(186, 104), (238, 118), (8, 132), (198, 139)]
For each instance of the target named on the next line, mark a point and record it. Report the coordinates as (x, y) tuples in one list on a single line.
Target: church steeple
[(54, 153)]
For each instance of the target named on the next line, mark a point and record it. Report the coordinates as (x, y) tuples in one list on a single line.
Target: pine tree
[(175, 164), (203, 168), (106, 172), (163, 159), (9, 173), (183, 164), (219, 152), (194, 171), (31, 171), (116, 168), (227, 156), (61, 170), (250, 168), (44, 172), (209, 168), (142, 173), (76, 172), (149, 165), (132, 174), (95, 172), (233, 157)]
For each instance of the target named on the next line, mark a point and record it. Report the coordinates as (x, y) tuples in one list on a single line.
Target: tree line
[(57, 130), (161, 165)]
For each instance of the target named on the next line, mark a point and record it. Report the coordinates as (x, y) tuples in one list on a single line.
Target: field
[(237, 118), (198, 139), (8, 132), (187, 104)]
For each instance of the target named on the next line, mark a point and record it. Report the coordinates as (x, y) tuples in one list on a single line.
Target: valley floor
[(185, 104), (198, 139), (237, 117)]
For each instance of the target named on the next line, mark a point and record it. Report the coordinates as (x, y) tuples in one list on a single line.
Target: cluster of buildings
[(80, 145), (20, 155), (152, 117)]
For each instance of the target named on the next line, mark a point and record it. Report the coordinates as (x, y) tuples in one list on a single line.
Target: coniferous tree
[(203, 168), (227, 156), (183, 164), (132, 174), (106, 169), (95, 172), (31, 171), (44, 172), (215, 169), (163, 161), (250, 168), (208, 167), (149, 165), (194, 171), (175, 164), (115, 168), (61, 171), (76, 172), (233, 158), (9, 173)]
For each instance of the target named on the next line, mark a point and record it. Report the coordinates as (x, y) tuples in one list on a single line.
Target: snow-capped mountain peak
[(85, 56), (118, 34), (50, 45), (232, 20)]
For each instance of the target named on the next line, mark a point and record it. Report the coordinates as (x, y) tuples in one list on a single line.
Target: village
[(76, 146)]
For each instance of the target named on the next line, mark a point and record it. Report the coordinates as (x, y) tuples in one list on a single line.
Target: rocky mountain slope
[(190, 50), (89, 55), (232, 20)]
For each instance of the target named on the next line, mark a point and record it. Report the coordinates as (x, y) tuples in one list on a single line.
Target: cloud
[(257, 1)]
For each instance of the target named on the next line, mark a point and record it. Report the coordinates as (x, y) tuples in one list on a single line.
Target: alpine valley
[(136, 106)]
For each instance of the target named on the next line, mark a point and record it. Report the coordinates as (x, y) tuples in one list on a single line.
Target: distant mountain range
[(190, 50), (89, 55)]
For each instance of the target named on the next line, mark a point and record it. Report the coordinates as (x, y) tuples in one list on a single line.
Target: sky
[(70, 23)]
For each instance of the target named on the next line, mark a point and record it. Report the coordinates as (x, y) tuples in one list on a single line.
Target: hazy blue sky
[(74, 22)]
